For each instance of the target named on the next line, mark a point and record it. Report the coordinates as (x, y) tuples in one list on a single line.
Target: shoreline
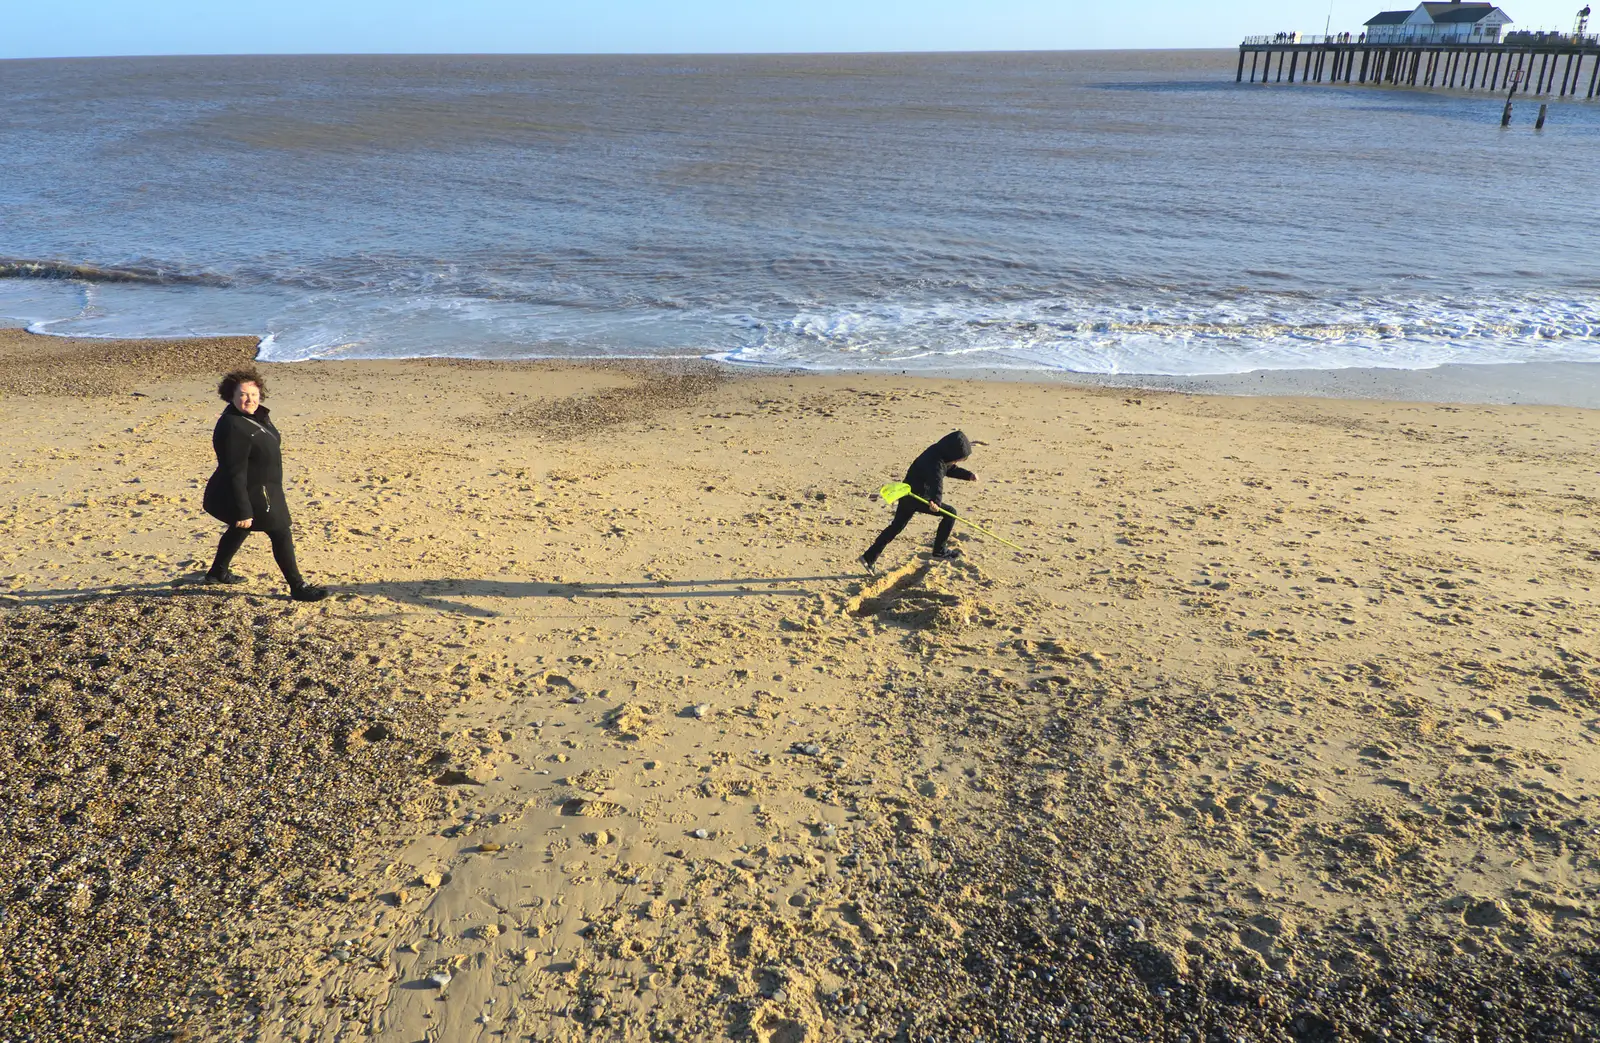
[(1564, 384)]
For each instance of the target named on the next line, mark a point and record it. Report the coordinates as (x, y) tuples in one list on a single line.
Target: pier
[(1540, 67)]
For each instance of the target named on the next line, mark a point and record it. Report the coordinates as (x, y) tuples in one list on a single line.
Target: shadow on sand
[(441, 595), (181, 587)]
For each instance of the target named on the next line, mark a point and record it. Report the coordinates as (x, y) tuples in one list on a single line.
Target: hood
[(954, 446)]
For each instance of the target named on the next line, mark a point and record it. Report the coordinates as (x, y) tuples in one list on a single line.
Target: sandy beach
[(1284, 725)]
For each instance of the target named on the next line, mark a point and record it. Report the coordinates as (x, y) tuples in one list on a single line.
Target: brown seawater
[(1088, 212)]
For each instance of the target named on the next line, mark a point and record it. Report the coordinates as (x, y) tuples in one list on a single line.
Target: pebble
[(700, 711), (439, 980), (700, 834)]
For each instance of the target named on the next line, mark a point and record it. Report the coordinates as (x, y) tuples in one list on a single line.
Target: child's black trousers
[(904, 510)]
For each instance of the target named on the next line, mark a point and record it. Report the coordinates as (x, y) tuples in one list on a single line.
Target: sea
[(1134, 212)]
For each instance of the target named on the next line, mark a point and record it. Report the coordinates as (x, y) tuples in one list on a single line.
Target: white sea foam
[(1166, 336), (1171, 339)]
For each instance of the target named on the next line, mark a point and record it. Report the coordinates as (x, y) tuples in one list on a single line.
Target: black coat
[(248, 481), (927, 472)]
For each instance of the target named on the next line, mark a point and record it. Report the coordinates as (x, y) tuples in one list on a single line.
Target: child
[(926, 477)]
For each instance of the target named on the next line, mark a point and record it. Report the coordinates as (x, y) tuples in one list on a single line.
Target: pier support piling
[(1531, 64)]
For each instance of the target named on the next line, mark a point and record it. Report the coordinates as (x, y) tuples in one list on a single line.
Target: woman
[(246, 490)]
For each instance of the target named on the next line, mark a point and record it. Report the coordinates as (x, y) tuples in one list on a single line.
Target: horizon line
[(601, 54)]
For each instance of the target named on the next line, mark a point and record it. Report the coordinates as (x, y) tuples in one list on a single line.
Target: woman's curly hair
[(248, 375)]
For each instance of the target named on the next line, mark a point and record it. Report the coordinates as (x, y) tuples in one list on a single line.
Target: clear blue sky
[(42, 29)]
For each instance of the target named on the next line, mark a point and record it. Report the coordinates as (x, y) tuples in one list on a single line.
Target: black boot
[(307, 592)]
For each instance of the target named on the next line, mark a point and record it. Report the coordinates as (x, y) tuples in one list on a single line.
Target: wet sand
[(1285, 724)]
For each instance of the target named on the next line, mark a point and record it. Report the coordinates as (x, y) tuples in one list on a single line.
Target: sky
[(117, 27)]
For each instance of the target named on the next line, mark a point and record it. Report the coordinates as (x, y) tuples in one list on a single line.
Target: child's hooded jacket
[(927, 472)]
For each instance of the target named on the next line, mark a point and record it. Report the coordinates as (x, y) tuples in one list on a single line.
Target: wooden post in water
[(1539, 123), (1254, 57), (1594, 77), (1294, 62), (1565, 75), (1544, 67), (1240, 75)]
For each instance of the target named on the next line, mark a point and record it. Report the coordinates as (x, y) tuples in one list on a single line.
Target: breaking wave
[(13, 268)]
